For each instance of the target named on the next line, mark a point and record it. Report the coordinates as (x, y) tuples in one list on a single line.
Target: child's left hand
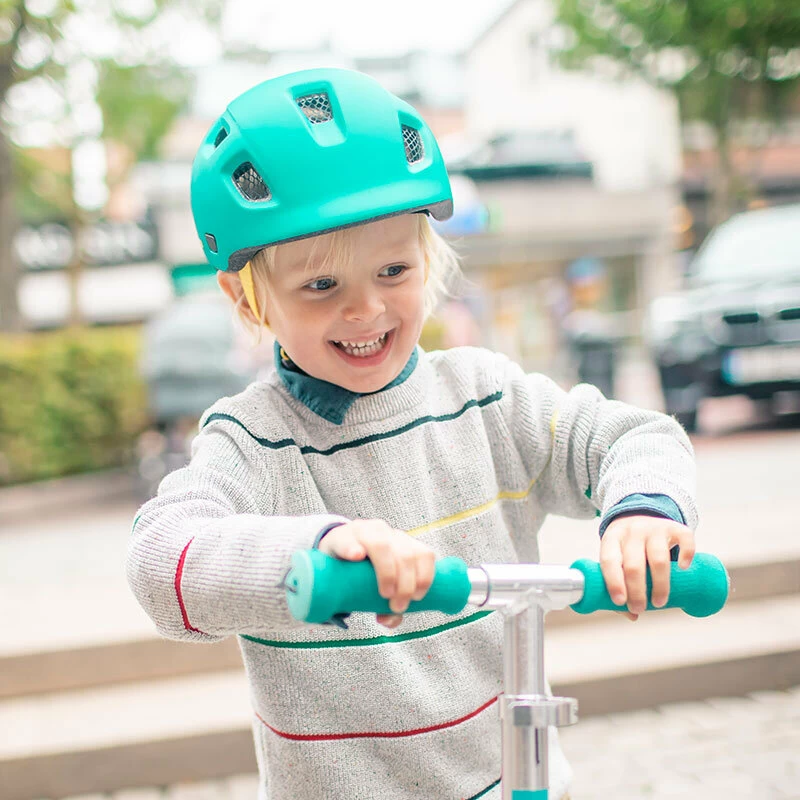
[(629, 545)]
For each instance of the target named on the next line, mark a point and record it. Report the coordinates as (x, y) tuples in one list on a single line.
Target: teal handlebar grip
[(700, 590), (320, 587)]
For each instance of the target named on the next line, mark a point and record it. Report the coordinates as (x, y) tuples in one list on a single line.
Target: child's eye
[(321, 284), (394, 270)]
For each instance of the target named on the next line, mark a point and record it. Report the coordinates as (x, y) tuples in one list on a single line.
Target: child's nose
[(363, 304)]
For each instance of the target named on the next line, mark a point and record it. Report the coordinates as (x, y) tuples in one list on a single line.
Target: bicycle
[(320, 589)]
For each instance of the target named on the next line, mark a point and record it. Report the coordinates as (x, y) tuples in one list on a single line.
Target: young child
[(311, 195)]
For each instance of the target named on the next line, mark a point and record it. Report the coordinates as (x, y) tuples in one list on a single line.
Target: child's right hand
[(404, 567)]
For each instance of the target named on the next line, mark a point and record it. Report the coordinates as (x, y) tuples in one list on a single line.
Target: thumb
[(343, 544)]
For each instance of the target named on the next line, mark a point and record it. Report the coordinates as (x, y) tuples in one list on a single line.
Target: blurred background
[(626, 180)]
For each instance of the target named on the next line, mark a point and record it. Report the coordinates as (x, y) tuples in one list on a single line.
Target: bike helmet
[(308, 153)]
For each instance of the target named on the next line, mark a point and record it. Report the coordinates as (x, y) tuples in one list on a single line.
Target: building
[(569, 164)]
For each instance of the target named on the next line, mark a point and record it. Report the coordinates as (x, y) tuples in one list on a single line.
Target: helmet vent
[(250, 183), (317, 107), (220, 137), (413, 144)]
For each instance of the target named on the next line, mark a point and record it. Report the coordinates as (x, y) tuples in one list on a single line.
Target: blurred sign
[(51, 246), (106, 295)]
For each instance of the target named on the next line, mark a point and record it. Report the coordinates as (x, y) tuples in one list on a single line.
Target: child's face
[(320, 315)]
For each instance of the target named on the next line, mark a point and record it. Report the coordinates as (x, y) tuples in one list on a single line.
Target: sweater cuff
[(648, 505), (323, 533)]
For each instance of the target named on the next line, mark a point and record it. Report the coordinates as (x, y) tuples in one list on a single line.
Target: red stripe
[(326, 737), (178, 575)]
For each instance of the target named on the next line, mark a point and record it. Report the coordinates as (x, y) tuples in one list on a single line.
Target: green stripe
[(307, 448), (485, 791), (403, 637)]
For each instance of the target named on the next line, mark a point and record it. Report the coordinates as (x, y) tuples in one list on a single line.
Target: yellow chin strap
[(246, 277)]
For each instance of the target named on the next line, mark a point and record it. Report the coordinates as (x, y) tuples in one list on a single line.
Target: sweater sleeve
[(585, 454), (206, 559)]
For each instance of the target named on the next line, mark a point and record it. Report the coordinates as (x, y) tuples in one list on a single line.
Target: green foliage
[(42, 195), (724, 57), (140, 103), (71, 402)]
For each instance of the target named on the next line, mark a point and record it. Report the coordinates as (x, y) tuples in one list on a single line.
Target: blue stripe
[(375, 437)]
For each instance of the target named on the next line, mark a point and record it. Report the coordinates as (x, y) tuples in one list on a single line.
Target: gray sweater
[(469, 454)]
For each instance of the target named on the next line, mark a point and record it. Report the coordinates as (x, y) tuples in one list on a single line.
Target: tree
[(80, 76), (728, 60)]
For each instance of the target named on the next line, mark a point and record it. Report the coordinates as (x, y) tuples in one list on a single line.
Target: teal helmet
[(307, 153)]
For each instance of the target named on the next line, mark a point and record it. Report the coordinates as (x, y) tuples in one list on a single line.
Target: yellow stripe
[(471, 512)]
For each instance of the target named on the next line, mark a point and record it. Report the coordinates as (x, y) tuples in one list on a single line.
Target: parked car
[(193, 353), (735, 329)]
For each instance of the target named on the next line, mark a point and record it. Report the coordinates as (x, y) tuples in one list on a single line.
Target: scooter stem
[(526, 711)]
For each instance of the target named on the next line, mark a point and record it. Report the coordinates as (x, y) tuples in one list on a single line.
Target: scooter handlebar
[(320, 588), (700, 590)]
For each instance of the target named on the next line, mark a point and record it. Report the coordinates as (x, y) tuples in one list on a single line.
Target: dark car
[(735, 329)]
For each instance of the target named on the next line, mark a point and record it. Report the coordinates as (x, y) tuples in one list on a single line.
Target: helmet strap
[(246, 277)]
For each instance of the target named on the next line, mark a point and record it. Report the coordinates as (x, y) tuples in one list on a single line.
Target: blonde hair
[(441, 268)]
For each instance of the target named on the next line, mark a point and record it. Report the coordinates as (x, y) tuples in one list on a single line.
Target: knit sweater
[(469, 454)]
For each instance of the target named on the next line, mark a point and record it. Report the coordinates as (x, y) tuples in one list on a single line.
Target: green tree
[(727, 60), (81, 74)]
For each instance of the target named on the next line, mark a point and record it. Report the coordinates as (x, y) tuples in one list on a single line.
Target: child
[(308, 195)]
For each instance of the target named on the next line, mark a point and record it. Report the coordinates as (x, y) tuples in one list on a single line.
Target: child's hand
[(404, 567), (632, 542)]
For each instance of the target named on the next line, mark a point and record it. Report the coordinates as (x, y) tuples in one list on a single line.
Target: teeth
[(362, 348)]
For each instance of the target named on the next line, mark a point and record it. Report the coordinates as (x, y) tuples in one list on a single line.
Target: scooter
[(321, 589)]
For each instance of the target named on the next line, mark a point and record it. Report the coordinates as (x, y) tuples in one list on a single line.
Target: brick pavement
[(719, 749)]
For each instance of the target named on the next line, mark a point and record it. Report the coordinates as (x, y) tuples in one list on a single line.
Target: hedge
[(70, 401)]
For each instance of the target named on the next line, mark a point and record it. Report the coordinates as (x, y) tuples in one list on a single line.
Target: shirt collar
[(329, 401)]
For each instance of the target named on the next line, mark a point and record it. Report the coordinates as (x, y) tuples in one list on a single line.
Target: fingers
[(657, 549), (635, 566), (342, 542), (684, 538), (404, 568), (611, 567), (633, 544)]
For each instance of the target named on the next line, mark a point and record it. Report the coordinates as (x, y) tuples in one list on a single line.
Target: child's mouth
[(363, 349)]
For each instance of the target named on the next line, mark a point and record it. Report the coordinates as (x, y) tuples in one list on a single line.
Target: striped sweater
[(469, 454)]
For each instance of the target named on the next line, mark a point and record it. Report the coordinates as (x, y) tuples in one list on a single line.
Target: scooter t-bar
[(322, 589)]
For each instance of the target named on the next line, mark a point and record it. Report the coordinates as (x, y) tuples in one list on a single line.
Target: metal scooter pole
[(320, 588), (526, 711)]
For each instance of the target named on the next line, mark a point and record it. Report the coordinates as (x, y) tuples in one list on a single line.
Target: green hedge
[(70, 402)]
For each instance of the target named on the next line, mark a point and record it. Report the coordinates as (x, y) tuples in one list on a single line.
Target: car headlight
[(665, 318)]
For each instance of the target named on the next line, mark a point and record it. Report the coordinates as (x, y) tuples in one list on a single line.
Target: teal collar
[(328, 400)]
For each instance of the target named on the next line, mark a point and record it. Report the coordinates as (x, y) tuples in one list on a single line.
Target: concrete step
[(196, 727), (117, 643)]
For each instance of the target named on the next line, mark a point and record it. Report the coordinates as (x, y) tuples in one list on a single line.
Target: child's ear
[(231, 285)]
